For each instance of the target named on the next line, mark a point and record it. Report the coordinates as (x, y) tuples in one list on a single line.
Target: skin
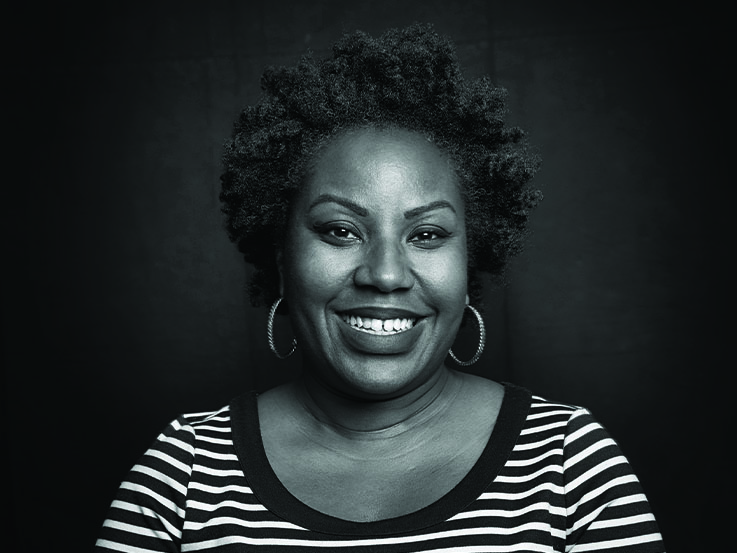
[(377, 231), (375, 254)]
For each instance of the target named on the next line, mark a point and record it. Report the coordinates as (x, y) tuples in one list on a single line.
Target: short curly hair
[(407, 78)]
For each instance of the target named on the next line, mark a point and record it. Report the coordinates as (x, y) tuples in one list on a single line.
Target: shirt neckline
[(276, 498)]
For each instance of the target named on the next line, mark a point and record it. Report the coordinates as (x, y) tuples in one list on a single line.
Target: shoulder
[(576, 424), (177, 442), (594, 469), (571, 432), (544, 414), (208, 420), (573, 424), (605, 502)]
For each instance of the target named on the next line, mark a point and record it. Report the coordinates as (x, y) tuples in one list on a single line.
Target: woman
[(369, 190)]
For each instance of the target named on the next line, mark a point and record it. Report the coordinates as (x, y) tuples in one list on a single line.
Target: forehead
[(391, 167)]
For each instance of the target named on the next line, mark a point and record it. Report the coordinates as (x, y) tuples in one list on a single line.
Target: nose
[(385, 267)]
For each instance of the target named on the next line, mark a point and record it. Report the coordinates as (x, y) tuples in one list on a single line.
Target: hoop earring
[(482, 341), (270, 333)]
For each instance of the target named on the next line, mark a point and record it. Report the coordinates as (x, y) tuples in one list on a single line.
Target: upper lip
[(383, 313)]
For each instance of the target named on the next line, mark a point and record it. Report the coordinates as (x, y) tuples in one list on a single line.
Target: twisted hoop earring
[(270, 333), (482, 341)]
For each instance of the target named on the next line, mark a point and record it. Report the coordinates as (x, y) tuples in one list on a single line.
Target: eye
[(338, 233), (342, 233), (425, 235), (429, 237)]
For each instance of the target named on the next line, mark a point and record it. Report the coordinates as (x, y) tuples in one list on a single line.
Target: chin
[(382, 380)]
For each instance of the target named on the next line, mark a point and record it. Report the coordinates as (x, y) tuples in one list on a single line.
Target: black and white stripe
[(562, 484)]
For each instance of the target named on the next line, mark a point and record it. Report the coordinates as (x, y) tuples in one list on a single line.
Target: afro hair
[(407, 78)]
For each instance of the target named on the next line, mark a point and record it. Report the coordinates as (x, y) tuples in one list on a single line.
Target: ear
[(467, 300)]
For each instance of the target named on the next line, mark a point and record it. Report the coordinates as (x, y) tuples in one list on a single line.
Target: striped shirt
[(550, 479)]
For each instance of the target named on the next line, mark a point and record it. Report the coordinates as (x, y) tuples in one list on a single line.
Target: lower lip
[(380, 344)]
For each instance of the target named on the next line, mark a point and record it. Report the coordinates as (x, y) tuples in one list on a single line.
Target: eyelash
[(330, 231), (333, 230), (438, 233)]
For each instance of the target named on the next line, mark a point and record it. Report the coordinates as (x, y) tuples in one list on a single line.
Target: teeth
[(379, 326)]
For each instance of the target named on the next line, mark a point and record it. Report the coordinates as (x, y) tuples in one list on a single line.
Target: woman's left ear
[(467, 300)]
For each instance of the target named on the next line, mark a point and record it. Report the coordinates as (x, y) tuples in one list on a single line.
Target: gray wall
[(125, 304)]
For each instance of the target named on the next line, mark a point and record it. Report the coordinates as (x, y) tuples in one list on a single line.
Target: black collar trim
[(271, 492)]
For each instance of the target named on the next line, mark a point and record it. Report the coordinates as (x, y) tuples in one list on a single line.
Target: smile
[(380, 327)]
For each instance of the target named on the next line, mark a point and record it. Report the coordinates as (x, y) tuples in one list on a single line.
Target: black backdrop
[(124, 303)]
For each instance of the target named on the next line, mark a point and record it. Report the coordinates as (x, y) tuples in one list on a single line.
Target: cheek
[(447, 275), (311, 276), (450, 294)]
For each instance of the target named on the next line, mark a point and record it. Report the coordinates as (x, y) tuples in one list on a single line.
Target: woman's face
[(374, 263)]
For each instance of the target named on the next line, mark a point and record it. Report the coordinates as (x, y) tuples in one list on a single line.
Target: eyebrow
[(363, 212), (417, 211), (327, 198)]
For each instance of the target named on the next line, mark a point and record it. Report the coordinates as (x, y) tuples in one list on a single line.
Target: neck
[(360, 418)]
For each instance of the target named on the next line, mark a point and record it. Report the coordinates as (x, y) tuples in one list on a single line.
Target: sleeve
[(606, 508), (148, 512)]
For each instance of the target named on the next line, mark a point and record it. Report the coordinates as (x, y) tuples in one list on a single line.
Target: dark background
[(124, 302)]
